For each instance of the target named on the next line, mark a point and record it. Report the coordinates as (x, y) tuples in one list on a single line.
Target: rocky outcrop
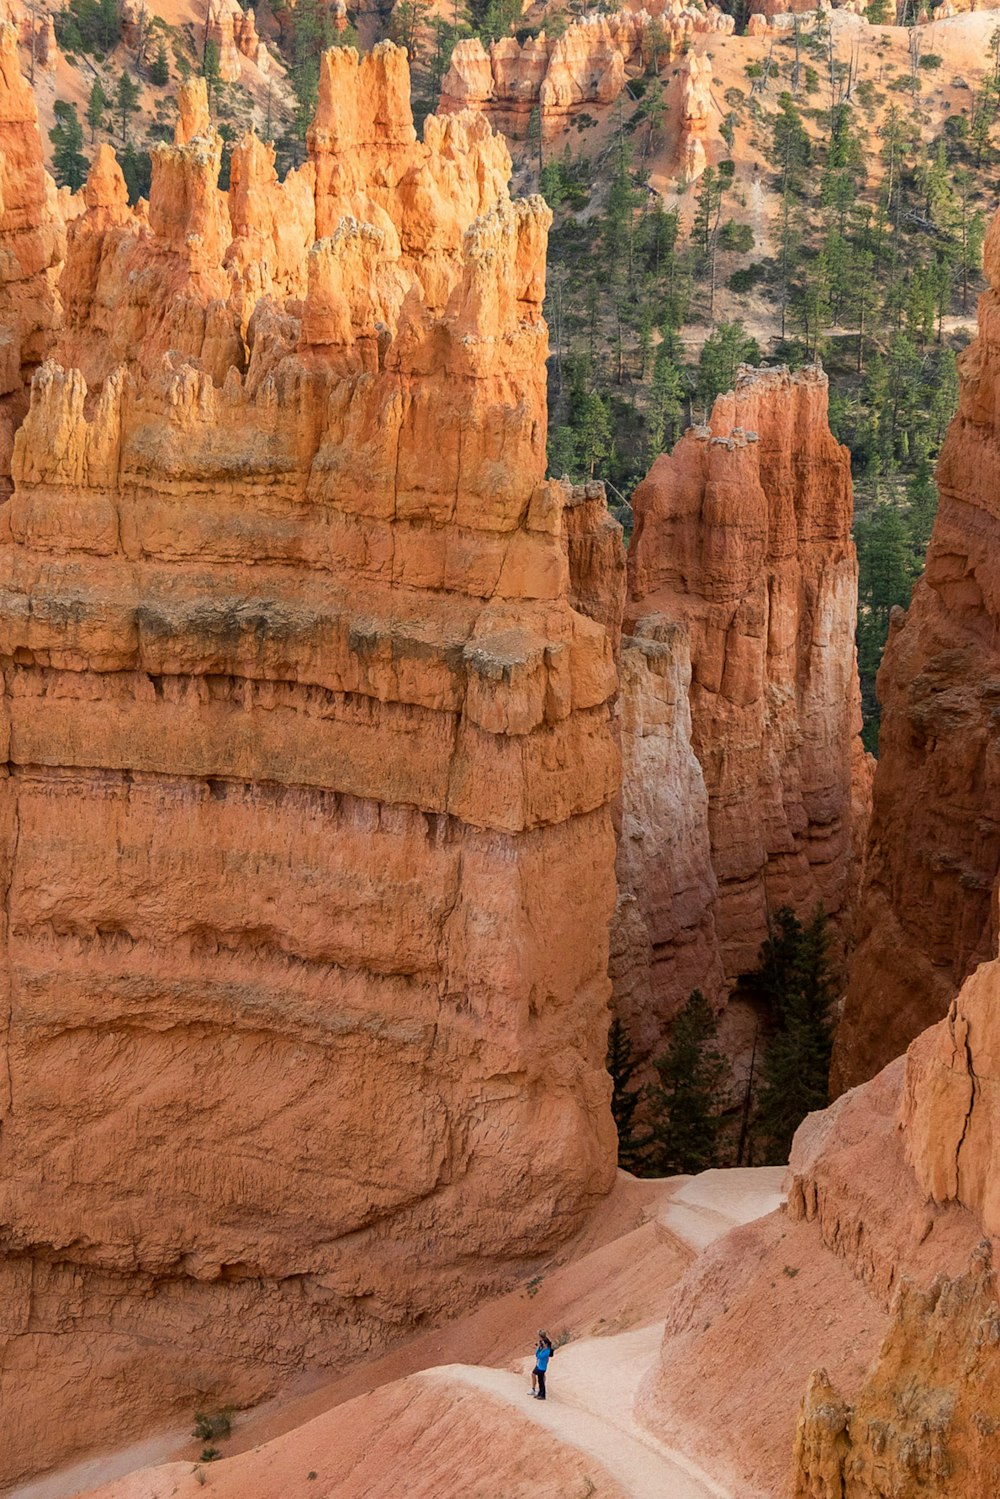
[(740, 705), (696, 112), (305, 818), (233, 32), (926, 1419), (588, 64), (951, 1106), (927, 914), (32, 242)]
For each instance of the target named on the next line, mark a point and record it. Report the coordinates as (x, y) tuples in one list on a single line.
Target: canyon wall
[(927, 915), (305, 828), (744, 778), (588, 64)]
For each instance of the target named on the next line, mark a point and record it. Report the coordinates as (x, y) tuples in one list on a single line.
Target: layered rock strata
[(587, 64), (306, 843), (927, 916), (743, 772)]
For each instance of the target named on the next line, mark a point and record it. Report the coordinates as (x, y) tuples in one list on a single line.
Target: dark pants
[(540, 1376)]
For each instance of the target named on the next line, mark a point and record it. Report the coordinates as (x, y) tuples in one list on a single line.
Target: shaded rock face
[(926, 915), (587, 64), (743, 772), (305, 819)]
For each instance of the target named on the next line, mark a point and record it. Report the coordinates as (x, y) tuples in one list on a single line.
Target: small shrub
[(209, 1455), (746, 279), (931, 60), (213, 1426), (737, 237)]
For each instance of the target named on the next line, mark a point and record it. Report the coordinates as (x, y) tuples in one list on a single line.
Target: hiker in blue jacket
[(543, 1353)]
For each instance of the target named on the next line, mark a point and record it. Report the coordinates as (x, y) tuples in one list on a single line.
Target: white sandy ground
[(593, 1381)]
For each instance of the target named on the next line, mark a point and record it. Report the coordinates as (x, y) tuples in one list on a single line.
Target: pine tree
[(137, 169), (159, 71), (685, 1101), (622, 1067), (722, 353), (666, 401), (97, 103), (126, 103), (796, 1066), (69, 164), (210, 70), (594, 429)]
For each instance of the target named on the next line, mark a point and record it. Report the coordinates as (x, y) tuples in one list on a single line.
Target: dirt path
[(594, 1382), (592, 1412)]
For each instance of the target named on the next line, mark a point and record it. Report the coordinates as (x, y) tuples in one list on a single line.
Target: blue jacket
[(542, 1355)]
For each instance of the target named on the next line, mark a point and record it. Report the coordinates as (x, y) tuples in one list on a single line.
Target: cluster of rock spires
[(233, 31), (589, 64), (321, 705), (307, 842)]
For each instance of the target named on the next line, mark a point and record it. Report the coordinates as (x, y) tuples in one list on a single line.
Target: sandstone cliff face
[(934, 851), (587, 64), (740, 705), (306, 843)]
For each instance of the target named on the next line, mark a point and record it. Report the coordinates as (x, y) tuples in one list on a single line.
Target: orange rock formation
[(925, 1418), (307, 850), (587, 64), (233, 31), (740, 704), (927, 915), (32, 242)]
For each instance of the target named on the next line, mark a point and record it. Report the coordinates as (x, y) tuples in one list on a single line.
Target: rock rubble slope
[(304, 825)]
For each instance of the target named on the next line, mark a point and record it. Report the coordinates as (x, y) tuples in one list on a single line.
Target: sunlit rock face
[(589, 64), (305, 826), (744, 777)]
